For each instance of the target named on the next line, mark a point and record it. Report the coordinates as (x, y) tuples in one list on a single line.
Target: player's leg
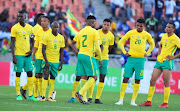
[(156, 73), (83, 82), (51, 88), (18, 69), (75, 88), (128, 72), (45, 83), (139, 72), (103, 72)]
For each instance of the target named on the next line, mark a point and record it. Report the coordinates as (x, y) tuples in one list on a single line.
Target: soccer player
[(135, 63), (165, 62), (53, 44), (88, 37), (21, 46), (36, 28), (107, 39)]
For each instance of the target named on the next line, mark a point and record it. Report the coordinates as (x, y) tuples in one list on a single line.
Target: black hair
[(141, 20), (37, 16), (21, 12), (91, 17), (174, 26), (107, 20), (46, 17)]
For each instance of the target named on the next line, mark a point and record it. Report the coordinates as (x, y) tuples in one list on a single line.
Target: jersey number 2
[(85, 38)]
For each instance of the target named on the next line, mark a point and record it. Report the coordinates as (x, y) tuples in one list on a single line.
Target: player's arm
[(151, 42), (45, 57), (111, 43), (178, 55), (122, 42), (13, 39), (159, 51), (36, 44), (31, 43), (61, 54), (73, 47), (98, 50)]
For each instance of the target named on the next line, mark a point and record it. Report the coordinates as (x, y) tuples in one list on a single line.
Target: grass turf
[(8, 102)]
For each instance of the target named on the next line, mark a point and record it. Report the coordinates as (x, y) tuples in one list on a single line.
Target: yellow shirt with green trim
[(107, 40), (86, 39), (76, 40), (53, 45), (169, 46), (36, 28), (38, 42), (137, 43), (21, 34)]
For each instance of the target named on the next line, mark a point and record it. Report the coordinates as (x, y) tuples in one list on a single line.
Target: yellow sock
[(123, 90), (99, 90), (44, 87), (83, 82), (51, 88), (75, 88), (35, 81), (17, 83), (40, 86), (166, 94), (135, 92), (30, 85), (88, 84), (91, 89), (151, 92), (25, 87)]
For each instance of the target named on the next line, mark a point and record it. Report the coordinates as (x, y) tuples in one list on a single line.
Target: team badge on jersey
[(104, 39), (138, 37), (55, 41), (143, 37), (166, 40), (24, 32), (108, 40), (59, 41)]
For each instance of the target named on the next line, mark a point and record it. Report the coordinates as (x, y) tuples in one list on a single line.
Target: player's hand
[(14, 60), (96, 54), (76, 52), (28, 54), (170, 57), (100, 63), (127, 54), (47, 66), (60, 66), (33, 58), (145, 55)]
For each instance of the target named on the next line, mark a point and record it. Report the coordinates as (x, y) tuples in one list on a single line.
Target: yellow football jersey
[(22, 43), (38, 42), (53, 45), (107, 40), (169, 46), (86, 40), (76, 40), (137, 43), (36, 28)]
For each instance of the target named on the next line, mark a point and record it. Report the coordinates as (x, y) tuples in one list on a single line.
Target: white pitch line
[(56, 106)]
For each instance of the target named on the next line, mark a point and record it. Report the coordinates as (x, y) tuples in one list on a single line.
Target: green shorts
[(86, 65), (134, 64), (104, 68), (53, 69), (23, 63), (168, 64), (38, 65)]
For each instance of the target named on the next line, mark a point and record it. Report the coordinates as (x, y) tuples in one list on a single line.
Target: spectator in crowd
[(61, 15), (32, 15), (162, 22), (177, 29), (24, 11), (5, 24), (122, 14), (51, 13), (169, 9), (159, 33), (89, 10), (129, 12), (159, 5), (44, 3), (66, 57), (116, 4), (147, 7), (4, 15), (113, 26), (124, 26), (42, 10), (177, 8), (152, 23)]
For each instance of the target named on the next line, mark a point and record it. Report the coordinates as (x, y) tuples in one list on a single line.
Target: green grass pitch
[(8, 102)]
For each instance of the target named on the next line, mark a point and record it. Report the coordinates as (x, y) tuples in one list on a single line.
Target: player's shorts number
[(138, 41), (85, 38), (55, 46)]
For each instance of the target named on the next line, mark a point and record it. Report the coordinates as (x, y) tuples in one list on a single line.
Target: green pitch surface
[(8, 102)]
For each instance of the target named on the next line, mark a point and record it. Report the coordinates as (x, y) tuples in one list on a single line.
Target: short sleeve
[(45, 40), (178, 42), (112, 40), (13, 32), (62, 43), (76, 38)]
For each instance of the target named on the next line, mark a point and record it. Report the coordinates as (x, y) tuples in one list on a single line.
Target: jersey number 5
[(85, 38), (138, 41)]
